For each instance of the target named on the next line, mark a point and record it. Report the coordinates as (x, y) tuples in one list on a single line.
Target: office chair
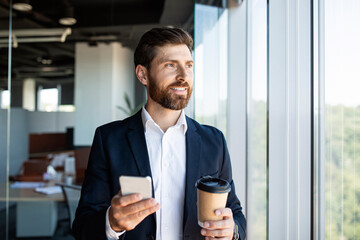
[(72, 196)]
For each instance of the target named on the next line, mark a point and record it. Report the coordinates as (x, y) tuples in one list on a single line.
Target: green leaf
[(137, 108), (124, 110), (127, 100)]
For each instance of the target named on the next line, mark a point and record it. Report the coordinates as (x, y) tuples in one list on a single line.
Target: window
[(210, 86), (342, 119), (257, 120), (67, 108), (48, 100), (5, 99)]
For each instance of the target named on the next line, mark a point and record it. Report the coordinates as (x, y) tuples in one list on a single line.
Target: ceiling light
[(35, 35), (68, 18), (68, 21), (46, 61), (23, 5)]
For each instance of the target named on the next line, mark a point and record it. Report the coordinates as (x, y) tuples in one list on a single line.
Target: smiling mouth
[(178, 89)]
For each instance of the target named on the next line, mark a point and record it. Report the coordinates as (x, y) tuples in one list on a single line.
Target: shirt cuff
[(110, 233)]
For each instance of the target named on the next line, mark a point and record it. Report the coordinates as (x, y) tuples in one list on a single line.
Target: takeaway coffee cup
[(212, 194)]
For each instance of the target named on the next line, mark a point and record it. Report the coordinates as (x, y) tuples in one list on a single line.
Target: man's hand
[(221, 229), (126, 212)]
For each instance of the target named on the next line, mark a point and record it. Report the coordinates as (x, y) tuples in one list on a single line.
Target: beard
[(168, 99)]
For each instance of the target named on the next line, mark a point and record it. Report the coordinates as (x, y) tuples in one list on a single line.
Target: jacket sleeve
[(96, 196), (233, 202)]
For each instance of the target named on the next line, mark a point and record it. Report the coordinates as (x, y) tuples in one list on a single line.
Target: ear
[(141, 74)]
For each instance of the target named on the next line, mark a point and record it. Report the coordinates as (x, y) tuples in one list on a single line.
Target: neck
[(163, 117)]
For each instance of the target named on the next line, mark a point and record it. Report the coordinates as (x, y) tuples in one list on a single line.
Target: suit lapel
[(137, 142), (193, 149)]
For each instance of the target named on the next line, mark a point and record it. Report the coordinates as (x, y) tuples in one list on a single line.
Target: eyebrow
[(171, 60)]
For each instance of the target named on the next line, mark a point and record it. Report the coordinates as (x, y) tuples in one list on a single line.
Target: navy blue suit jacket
[(119, 148)]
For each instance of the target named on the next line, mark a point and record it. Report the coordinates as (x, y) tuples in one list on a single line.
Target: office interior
[(278, 78)]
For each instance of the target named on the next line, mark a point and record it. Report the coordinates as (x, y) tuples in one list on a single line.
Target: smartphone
[(135, 184)]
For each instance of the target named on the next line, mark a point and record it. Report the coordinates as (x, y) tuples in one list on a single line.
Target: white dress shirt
[(167, 155)]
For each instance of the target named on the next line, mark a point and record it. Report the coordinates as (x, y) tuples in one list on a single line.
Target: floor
[(62, 231)]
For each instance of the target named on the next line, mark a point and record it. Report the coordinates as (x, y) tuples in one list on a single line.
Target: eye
[(169, 65), (190, 65)]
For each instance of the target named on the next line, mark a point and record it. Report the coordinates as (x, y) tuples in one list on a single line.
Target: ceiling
[(97, 21)]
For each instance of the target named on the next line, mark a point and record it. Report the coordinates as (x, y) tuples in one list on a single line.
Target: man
[(161, 142)]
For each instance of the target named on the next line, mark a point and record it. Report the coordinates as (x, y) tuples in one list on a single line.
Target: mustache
[(179, 85)]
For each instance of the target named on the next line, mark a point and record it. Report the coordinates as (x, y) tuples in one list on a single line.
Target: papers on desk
[(38, 186), (27, 184), (48, 190)]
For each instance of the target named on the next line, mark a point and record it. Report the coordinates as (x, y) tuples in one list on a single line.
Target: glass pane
[(50, 138), (342, 119), (5, 56), (66, 81), (257, 120), (210, 86)]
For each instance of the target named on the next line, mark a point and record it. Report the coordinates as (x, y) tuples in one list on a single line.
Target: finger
[(129, 222), (122, 201), (225, 212), (139, 206), (217, 232), (140, 215), (219, 224)]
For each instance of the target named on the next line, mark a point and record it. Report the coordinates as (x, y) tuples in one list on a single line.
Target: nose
[(183, 74)]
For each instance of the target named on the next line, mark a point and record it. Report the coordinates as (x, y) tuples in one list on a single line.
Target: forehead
[(172, 52)]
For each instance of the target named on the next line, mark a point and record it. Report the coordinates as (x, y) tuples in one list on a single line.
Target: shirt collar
[(146, 119)]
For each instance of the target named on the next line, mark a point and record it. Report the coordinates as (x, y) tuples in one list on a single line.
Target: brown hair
[(146, 49)]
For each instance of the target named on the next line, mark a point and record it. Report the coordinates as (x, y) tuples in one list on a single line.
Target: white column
[(29, 93), (102, 75), (289, 160), (236, 132)]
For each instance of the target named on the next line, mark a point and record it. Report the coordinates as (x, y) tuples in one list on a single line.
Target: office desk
[(36, 213)]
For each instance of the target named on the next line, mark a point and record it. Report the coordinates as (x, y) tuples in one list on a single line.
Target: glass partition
[(41, 153), (65, 83), (5, 93)]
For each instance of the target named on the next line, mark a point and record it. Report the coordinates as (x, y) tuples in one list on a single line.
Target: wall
[(18, 142), (103, 74), (123, 79), (47, 122)]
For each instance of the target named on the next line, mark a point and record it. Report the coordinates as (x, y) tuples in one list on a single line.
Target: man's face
[(171, 76)]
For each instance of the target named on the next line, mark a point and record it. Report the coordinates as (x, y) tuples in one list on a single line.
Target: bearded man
[(162, 142)]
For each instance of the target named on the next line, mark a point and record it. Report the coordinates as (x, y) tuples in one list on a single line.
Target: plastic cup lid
[(213, 185)]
